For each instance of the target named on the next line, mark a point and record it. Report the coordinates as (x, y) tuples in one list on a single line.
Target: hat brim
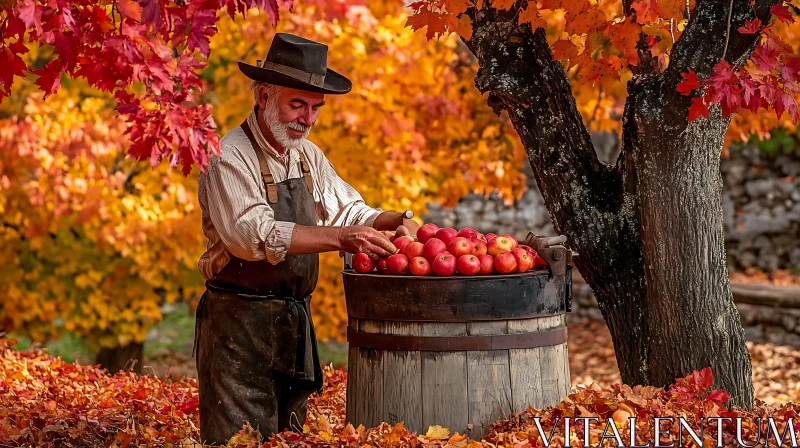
[(335, 84)]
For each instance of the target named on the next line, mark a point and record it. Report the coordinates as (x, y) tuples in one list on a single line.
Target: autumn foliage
[(120, 238), (46, 402)]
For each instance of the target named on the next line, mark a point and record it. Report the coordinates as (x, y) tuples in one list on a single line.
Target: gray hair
[(271, 89)]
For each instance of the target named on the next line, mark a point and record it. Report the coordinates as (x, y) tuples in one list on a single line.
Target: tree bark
[(649, 229), (120, 358)]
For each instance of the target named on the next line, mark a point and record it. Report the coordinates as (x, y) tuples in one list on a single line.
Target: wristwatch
[(408, 214)]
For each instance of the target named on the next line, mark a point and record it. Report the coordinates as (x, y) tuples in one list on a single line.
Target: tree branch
[(701, 45), (583, 195)]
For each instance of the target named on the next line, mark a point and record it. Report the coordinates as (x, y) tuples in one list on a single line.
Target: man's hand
[(409, 228), (355, 239)]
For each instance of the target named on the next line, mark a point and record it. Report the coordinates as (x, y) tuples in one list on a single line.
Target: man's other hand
[(409, 228), (355, 239)]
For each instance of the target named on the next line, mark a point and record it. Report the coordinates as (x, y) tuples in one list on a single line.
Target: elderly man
[(270, 203)]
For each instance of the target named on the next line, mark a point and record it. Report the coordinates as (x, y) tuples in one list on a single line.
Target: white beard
[(279, 129)]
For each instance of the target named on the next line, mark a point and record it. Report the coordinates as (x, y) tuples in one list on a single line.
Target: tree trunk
[(119, 358), (689, 318), (648, 230)]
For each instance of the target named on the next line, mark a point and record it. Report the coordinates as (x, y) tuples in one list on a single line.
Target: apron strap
[(306, 170), (266, 174)]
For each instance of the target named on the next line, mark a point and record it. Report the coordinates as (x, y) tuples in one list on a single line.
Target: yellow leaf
[(437, 432)]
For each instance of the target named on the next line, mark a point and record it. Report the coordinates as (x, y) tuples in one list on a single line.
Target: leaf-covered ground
[(46, 402)]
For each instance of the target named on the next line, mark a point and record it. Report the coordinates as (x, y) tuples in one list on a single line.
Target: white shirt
[(238, 220)]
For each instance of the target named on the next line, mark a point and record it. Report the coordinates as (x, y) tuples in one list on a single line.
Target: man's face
[(290, 113)]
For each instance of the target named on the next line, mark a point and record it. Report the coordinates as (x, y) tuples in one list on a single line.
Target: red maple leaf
[(751, 26), (781, 12), (14, 27), (698, 108), (751, 97), (203, 27), (765, 57), (49, 77), (30, 14), (271, 7), (689, 83), (718, 395), (12, 65)]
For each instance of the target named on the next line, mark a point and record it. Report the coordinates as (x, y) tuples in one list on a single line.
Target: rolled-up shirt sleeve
[(345, 205), (241, 215)]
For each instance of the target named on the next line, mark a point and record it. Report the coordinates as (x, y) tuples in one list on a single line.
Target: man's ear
[(263, 94)]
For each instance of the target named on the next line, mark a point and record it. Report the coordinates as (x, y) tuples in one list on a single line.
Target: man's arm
[(353, 239), (395, 221), (245, 222), (349, 207), (247, 226)]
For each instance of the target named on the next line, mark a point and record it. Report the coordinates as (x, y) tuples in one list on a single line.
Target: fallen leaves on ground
[(46, 402), (780, 277)]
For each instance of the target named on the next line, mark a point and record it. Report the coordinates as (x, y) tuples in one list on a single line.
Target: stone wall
[(761, 204)]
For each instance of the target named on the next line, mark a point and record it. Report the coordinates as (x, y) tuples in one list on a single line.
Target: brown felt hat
[(299, 63)]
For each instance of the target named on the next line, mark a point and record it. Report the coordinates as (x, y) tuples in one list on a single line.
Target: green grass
[(69, 347), (333, 352), (175, 333)]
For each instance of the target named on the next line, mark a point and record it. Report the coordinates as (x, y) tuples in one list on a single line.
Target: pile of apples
[(447, 251)]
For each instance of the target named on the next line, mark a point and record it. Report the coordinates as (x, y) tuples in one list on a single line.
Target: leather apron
[(257, 357)]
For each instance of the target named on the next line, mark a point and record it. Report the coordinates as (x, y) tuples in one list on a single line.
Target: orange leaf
[(531, 15), (671, 9), (503, 4), (461, 26), (456, 7), (131, 9), (550, 4), (586, 21), (575, 7), (645, 11), (564, 49)]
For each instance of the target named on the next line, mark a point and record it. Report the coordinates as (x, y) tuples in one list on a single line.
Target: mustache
[(298, 126)]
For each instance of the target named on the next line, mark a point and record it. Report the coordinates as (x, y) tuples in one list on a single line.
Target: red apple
[(490, 236), (479, 247), (467, 233), (426, 232), (505, 263), (432, 248), (524, 259), (446, 234), (539, 262), (468, 265), (420, 266), (530, 250), (413, 250), (362, 263), (401, 242), (398, 264), (383, 268), (444, 265), (514, 241), (487, 264), (459, 246), (481, 236), (499, 245)]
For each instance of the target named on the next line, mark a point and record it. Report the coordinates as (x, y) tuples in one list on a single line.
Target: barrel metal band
[(380, 341)]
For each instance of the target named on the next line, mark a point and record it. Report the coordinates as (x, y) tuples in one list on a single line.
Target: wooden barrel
[(460, 352)]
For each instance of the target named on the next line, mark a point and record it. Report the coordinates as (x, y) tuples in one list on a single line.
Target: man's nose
[(306, 118)]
